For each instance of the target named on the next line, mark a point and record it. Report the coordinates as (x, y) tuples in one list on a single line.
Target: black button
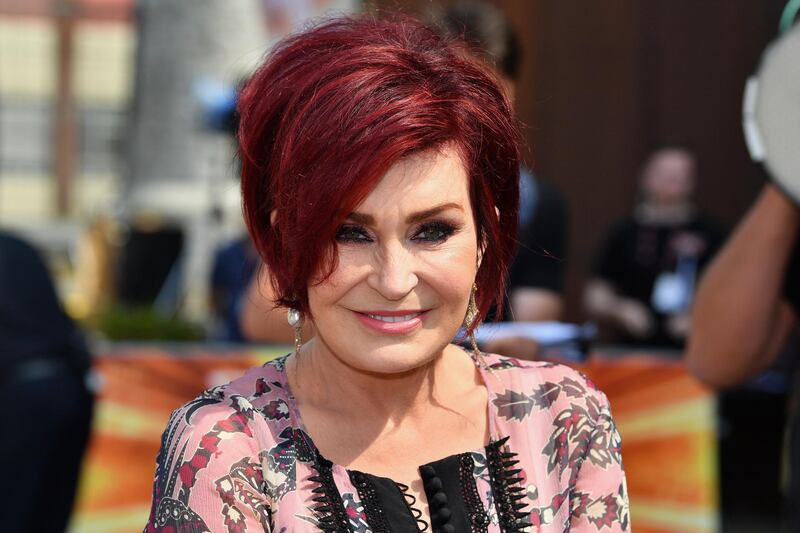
[(479, 519), (448, 528), (434, 484), (427, 472), (439, 499), (444, 514)]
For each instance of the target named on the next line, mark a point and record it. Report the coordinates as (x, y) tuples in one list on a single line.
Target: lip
[(392, 328)]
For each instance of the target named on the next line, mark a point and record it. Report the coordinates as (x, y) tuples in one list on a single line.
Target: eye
[(352, 233), (434, 232)]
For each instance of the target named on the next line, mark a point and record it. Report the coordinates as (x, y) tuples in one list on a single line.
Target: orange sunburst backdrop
[(669, 444)]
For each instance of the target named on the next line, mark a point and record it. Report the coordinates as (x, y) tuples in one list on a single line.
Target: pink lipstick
[(391, 322)]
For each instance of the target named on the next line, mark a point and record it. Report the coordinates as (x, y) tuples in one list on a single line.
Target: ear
[(272, 216)]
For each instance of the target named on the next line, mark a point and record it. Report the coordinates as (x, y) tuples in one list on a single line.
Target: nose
[(393, 275)]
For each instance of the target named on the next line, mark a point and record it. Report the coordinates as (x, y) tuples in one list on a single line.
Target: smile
[(391, 322), (387, 318)]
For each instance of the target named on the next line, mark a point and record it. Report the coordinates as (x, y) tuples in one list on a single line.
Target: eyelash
[(353, 233), (444, 231)]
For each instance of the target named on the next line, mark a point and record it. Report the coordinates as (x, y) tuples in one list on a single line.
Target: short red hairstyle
[(333, 108)]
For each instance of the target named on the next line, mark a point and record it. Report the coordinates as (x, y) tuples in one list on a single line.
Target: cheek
[(349, 270), (451, 270)]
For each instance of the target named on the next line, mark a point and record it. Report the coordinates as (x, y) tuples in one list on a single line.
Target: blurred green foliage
[(146, 324)]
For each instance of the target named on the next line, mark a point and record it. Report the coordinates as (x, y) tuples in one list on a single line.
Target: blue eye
[(352, 233), (434, 232)]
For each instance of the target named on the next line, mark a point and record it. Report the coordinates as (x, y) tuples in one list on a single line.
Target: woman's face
[(407, 259)]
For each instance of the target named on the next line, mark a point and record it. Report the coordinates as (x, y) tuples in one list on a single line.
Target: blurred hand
[(678, 326), (635, 318), (519, 347)]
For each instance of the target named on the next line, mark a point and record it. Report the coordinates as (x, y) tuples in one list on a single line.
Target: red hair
[(333, 108)]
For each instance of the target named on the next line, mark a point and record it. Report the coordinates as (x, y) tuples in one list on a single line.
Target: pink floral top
[(238, 458)]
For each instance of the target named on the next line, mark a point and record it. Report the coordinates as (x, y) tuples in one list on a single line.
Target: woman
[(380, 188)]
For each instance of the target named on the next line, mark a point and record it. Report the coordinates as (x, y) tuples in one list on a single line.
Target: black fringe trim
[(508, 492), (330, 506)]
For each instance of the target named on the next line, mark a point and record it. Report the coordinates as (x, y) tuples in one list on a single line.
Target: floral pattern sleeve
[(208, 472), (598, 496), (570, 449)]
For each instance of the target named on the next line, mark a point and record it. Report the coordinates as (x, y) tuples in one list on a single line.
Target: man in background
[(645, 272), (47, 414)]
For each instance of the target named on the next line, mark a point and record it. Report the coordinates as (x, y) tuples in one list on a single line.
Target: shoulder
[(524, 387), (11, 241), (212, 453), (531, 372), (243, 408), (222, 429), (15, 250)]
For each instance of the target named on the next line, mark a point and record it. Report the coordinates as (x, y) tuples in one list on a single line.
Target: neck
[(322, 379)]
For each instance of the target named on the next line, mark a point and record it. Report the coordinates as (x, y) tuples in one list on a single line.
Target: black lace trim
[(376, 518), (508, 493), (479, 520), (330, 506), (411, 502)]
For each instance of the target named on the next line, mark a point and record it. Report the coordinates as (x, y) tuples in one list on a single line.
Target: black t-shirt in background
[(540, 259), (635, 254)]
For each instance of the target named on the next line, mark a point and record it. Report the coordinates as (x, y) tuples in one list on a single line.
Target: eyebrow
[(365, 219)]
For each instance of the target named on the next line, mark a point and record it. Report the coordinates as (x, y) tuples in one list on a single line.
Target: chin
[(386, 358), (396, 359)]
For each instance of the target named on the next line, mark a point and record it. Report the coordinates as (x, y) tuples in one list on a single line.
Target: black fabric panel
[(447, 470), (391, 499)]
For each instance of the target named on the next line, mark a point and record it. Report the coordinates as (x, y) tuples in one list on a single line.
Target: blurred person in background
[(747, 305), (645, 271), (235, 261), (380, 172), (44, 365), (536, 279), (234, 268)]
